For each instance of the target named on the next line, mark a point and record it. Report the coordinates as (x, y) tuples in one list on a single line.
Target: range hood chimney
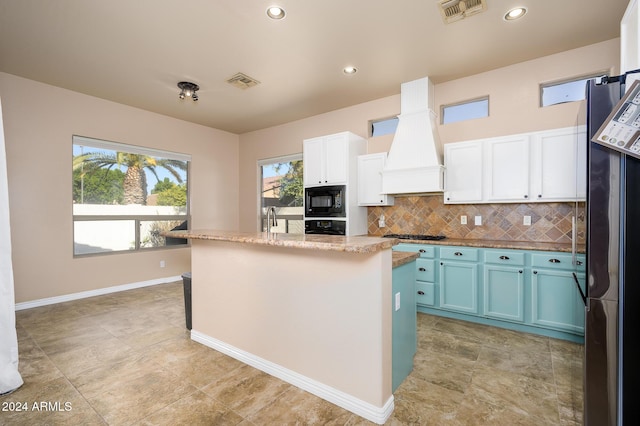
[(414, 164)]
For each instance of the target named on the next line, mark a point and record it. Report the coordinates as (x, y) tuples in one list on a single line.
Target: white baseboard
[(357, 406), (91, 293)]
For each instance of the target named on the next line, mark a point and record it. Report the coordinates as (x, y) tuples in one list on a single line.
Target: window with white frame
[(125, 197), (282, 187)]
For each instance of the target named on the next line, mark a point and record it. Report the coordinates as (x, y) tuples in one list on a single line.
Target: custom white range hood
[(414, 164)]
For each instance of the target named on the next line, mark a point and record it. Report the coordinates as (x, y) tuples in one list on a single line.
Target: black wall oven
[(325, 227), (325, 201)]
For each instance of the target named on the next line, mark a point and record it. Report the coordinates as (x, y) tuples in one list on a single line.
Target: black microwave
[(325, 201)]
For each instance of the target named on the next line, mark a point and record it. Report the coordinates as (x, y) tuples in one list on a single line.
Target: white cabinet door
[(370, 180), (326, 160), (559, 165), (463, 172), (507, 171), (312, 155), (336, 157)]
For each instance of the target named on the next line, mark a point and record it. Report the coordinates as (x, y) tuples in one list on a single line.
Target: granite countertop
[(517, 245), (400, 258), (354, 244)]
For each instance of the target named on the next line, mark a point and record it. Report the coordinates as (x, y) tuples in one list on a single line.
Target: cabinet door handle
[(458, 253), (421, 293), (422, 251), (520, 271), (441, 263), (554, 260), (535, 272), (504, 257), (578, 262), (539, 195), (421, 269), (526, 196)]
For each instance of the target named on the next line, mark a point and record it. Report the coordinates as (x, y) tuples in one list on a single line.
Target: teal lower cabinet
[(504, 285), (404, 325), (523, 290), (504, 292), (555, 301), (459, 279), (459, 287)]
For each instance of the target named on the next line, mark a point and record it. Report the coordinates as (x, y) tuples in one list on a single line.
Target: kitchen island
[(313, 310)]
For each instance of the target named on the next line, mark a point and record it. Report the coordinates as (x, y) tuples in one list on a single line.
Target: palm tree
[(135, 179)]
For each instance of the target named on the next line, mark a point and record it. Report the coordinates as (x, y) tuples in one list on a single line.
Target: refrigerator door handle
[(582, 295)]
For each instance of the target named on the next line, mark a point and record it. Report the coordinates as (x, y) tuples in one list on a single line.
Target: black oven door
[(325, 227), (325, 201)]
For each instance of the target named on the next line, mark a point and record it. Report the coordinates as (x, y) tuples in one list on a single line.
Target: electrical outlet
[(526, 221), (478, 220), (381, 223), (162, 264), (463, 220), (397, 301)]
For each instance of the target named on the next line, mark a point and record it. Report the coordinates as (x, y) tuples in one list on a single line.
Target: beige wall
[(513, 93), (39, 122)]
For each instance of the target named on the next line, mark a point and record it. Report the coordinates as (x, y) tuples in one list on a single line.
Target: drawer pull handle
[(458, 253), (422, 251), (421, 293), (504, 257), (421, 269), (554, 260), (578, 262), (535, 272)]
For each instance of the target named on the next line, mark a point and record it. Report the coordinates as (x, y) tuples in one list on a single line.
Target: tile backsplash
[(550, 222)]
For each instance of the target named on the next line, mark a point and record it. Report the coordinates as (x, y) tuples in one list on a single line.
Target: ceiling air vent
[(455, 10), (242, 81)]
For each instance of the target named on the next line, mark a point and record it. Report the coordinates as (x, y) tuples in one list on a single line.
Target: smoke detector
[(242, 81), (455, 10)]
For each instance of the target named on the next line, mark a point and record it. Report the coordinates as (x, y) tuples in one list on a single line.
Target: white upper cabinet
[(326, 160), (370, 168), (463, 172), (507, 171), (559, 165), (533, 167)]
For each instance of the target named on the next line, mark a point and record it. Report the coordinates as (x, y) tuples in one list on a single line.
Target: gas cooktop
[(415, 237)]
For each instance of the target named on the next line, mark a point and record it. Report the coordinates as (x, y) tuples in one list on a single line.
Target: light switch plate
[(478, 220), (526, 221), (397, 301)]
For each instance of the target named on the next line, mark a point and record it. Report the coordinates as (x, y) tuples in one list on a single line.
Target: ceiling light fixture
[(515, 13), (349, 70), (275, 12), (188, 89)]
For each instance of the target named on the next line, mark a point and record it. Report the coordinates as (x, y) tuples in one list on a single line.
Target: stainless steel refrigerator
[(612, 326)]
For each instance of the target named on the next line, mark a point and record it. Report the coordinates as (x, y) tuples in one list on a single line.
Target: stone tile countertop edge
[(400, 258), (501, 244), (362, 244)]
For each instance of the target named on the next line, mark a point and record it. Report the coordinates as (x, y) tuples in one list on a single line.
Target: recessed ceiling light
[(275, 12), (349, 70), (515, 13)]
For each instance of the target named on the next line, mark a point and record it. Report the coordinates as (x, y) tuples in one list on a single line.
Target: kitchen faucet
[(271, 221)]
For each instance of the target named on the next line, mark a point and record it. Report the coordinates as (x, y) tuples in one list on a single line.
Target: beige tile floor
[(126, 358)]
